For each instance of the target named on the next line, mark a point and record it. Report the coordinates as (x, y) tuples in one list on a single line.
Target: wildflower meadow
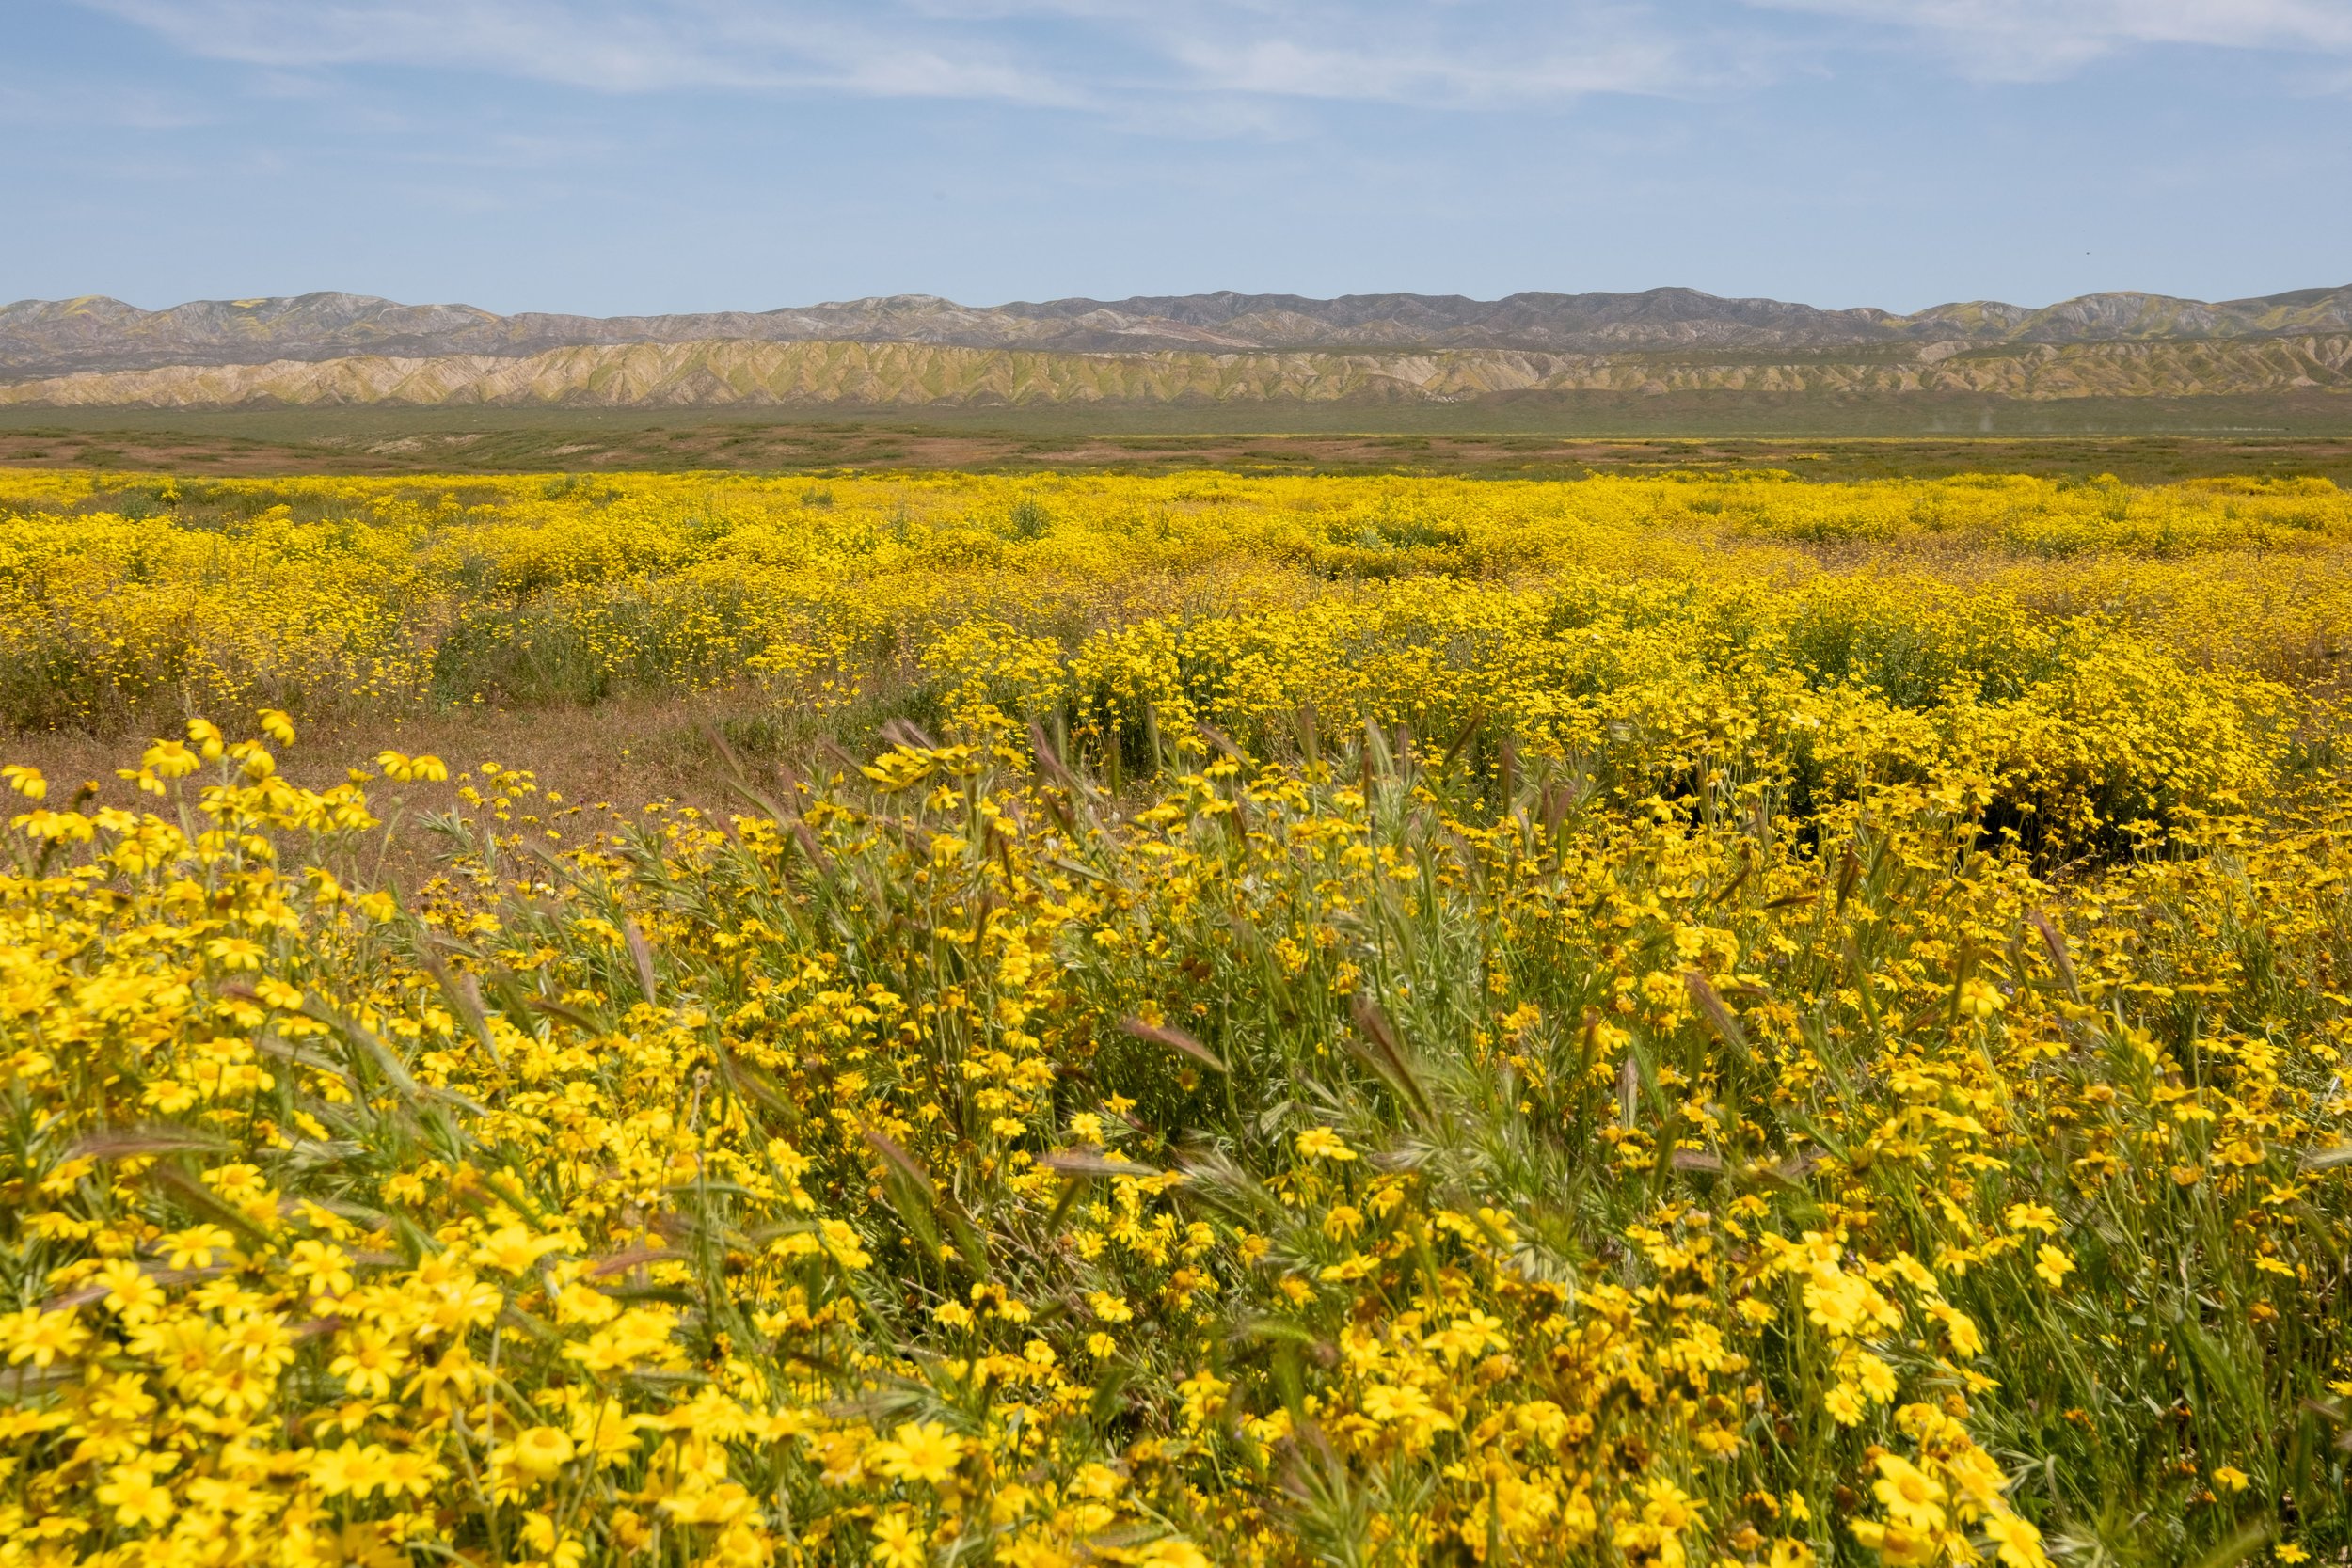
[(1230, 1017)]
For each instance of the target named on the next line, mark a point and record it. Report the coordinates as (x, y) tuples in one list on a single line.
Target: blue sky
[(613, 157)]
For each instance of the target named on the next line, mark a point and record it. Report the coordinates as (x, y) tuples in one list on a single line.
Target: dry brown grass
[(611, 760)]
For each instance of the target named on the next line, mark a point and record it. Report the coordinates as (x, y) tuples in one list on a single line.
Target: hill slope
[(41, 338), (866, 375)]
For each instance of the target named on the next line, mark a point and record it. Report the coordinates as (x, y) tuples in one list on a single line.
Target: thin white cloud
[(2044, 40), (603, 44), (1097, 54), (1173, 63), (1433, 55)]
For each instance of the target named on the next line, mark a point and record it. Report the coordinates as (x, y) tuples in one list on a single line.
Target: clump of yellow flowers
[(2106, 654), (1563, 1079)]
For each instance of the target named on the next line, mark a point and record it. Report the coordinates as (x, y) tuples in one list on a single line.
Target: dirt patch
[(604, 765)]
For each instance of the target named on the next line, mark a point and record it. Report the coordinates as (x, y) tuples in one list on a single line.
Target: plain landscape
[(1637, 929)]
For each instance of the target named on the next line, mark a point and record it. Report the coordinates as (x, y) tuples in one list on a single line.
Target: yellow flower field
[(1237, 1019)]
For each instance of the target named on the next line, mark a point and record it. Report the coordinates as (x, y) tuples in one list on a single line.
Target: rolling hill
[(338, 349), (883, 375)]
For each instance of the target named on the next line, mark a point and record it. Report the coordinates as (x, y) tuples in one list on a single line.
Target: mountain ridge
[(853, 375), (42, 340)]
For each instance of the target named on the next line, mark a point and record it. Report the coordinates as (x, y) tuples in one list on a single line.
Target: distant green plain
[(2140, 439)]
